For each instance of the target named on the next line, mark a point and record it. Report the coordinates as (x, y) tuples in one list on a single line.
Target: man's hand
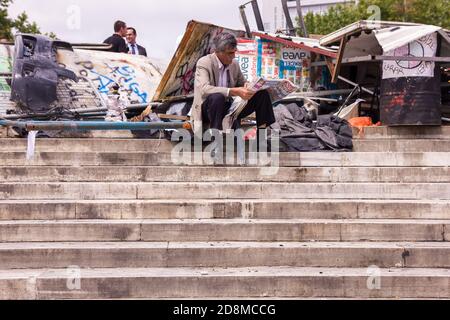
[(242, 92)]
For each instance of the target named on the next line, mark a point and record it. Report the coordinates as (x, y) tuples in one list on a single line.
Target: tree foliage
[(8, 25), (434, 12)]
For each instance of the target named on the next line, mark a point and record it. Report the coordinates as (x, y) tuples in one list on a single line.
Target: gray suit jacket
[(206, 80)]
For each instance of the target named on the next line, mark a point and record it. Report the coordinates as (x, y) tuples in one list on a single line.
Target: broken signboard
[(197, 42)]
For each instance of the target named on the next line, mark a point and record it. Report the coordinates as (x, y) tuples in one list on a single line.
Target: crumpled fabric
[(298, 132)]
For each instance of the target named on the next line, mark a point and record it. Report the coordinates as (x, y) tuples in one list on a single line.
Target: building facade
[(274, 18)]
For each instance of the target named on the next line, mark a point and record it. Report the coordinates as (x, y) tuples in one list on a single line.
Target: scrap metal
[(36, 72)]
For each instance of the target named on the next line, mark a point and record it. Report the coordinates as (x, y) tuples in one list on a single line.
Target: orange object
[(361, 122), (187, 126)]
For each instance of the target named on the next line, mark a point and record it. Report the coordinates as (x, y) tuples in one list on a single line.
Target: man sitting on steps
[(218, 79)]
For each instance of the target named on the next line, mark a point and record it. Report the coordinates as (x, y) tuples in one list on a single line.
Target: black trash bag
[(298, 133)]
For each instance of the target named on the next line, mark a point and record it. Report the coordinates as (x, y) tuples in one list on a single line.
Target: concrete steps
[(323, 159), (126, 221), (225, 190), (224, 254), (407, 132), (138, 145), (121, 145), (215, 230), (223, 209), (261, 282), (224, 174), (402, 145), (89, 145)]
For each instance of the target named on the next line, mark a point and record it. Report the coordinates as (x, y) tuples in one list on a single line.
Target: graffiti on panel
[(423, 47), (6, 61), (6, 52), (183, 83), (197, 42), (98, 71), (136, 76)]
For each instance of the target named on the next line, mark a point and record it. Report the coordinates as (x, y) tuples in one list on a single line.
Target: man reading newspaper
[(277, 90), (218, 79)]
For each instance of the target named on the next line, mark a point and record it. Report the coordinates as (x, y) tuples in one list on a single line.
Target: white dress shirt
[(223, 76), (136, 49)]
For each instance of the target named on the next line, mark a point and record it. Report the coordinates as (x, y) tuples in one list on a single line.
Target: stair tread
[(208, 201), (220, 245), (224, 221), (223, 183), (223, 272)]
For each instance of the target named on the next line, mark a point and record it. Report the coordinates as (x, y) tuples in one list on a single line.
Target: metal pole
[(81, 111), (356, 85), (93, 125), (259, 22), (302, 21), (248, 31), (290, 25)]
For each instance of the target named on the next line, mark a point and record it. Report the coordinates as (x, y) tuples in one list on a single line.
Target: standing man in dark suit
[(117, 39), (133, 47)]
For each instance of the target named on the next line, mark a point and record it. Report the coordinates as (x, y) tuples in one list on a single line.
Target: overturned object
[(36, 72)]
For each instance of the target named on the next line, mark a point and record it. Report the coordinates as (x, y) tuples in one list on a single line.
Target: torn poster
[(272, 60), (423, 47)]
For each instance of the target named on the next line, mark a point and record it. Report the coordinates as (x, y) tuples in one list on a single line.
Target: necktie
[(133, 51)]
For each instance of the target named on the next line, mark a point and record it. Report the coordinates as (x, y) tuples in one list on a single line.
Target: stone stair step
[(193, 283), (89, 145), (139, 224), (222, 190), (223, 209), (401, 145), (146, 145), (224, 254), (223, 174), (411, 132), (174, 230), (309, 159)]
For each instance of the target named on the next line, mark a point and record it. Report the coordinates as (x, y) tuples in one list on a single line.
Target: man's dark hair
[(132, 29), (224, 42), (119, 25)]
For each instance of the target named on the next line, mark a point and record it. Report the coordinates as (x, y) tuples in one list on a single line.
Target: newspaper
[(278, 89)]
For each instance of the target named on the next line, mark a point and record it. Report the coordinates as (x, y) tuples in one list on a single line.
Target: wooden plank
[(358, 59), (340, 56), (331, 66), (173, 117)]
